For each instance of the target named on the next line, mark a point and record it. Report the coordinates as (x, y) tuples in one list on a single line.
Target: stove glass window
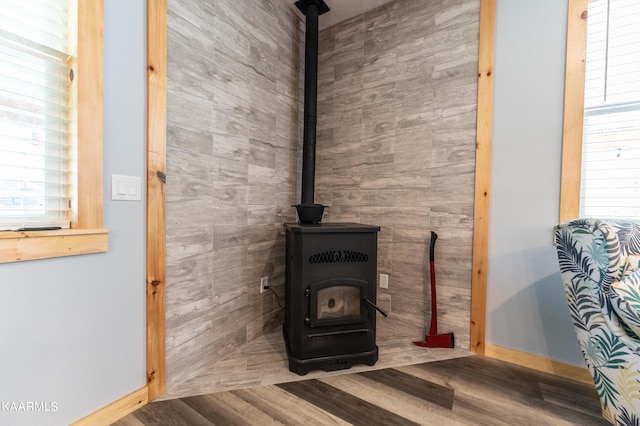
[(338, 302)]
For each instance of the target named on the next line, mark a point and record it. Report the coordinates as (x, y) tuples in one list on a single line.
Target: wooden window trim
[(87, 235), (573, 110)]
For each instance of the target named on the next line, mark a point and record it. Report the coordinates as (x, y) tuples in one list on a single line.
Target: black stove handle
[(377, 308)]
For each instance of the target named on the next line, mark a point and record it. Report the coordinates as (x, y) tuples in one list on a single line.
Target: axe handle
[(433, 329)]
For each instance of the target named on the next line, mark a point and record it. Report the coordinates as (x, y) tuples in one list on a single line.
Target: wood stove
[(330, 313), (330, 318)]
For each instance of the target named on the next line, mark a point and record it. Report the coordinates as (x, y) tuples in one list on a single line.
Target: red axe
[(433, 339)]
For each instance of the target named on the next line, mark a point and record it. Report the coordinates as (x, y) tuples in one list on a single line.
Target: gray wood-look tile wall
[(234, 126), (396, 148)]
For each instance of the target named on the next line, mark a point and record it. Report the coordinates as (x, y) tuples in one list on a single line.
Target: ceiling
[(341, 10)]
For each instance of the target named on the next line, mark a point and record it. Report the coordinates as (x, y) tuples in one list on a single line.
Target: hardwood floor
[(472, 390)]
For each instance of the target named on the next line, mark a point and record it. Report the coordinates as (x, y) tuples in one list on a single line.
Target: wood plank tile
[(425, 390), (393, 400), (287, 408), (483, 373), (130, 420), (174, 412), (346, 406), (226, 408), (481, 382), (578, 397)]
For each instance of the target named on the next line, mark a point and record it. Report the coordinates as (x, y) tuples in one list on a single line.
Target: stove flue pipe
[(307, 210)]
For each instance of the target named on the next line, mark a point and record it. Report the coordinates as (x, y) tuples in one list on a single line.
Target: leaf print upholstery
[(602, 286), (631, 265)]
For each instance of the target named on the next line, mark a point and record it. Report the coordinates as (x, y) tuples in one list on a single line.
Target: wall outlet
[(384, 281), (264, 282)]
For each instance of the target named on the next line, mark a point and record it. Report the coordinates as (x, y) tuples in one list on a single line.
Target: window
[(601, 145), (610, 184), (37, 125), (84, 216)]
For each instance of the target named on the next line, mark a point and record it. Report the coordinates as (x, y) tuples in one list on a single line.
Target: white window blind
[(37, 124), (610, 184)]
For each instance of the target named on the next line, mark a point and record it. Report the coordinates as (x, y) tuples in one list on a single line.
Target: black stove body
[(330, 314)]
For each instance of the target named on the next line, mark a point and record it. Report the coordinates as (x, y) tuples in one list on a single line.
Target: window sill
[(31, 245)]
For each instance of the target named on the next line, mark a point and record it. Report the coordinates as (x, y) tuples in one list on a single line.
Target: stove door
[(336, 302)]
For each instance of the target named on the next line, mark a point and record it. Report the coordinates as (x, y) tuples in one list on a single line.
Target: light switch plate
[(126, 188)]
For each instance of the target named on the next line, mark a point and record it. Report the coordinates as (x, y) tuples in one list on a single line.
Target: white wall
[(526, 309), (72, 330)]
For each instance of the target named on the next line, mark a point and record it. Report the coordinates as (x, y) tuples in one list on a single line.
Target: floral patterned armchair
[(599, 261)]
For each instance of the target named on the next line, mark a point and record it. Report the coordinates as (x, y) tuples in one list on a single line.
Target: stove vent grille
[(339, 256)]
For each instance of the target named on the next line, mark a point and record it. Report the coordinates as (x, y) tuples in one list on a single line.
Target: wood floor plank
[(487, 410), (168, 413), (479, 409), (475, 379), (130, 420), (516, 383), (489, 373), (286, 408), (226, 408), (483, 382), (391, 399), (348, 407), (581, 400), (423, 389)]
